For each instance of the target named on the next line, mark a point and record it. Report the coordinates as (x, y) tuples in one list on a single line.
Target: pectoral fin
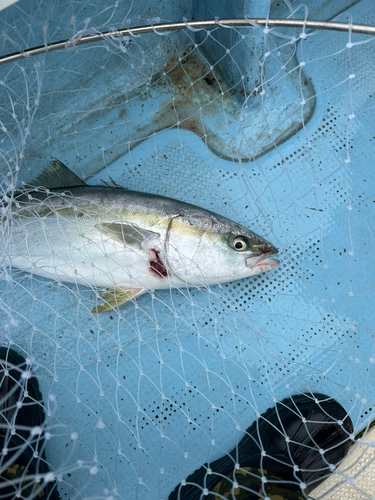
[(117, 297), (132, 236)]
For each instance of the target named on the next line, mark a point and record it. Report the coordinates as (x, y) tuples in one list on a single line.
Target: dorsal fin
[(117, 186), (114, 184), (56, 175)]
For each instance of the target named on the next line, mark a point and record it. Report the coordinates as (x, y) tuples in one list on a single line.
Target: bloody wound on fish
[(156, 265)]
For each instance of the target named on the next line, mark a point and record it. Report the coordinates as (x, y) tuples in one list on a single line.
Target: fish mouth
[(263, 261)]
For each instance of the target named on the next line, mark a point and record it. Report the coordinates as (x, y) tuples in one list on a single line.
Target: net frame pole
[(195, 25)]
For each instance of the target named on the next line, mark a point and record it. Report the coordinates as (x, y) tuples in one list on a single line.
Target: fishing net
[(270, 127)]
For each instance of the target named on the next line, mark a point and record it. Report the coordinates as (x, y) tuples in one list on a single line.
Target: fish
[(126, 242)]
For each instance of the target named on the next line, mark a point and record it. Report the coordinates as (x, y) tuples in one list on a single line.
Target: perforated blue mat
[(140, 398)]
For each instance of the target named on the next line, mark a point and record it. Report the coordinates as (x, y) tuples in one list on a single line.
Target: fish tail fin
[(116, 297)]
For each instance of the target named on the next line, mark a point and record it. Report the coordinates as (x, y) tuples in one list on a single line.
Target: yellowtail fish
[(126, 242)]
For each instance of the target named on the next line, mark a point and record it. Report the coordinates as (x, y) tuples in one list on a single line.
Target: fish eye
[(239, 243)]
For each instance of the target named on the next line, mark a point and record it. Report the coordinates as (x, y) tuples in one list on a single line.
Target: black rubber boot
[(300, 441), (22, 455)]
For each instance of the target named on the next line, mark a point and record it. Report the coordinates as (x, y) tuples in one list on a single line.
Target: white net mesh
[(271, 128)]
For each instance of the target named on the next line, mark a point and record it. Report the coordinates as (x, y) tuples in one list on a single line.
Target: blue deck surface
[(141, 398)]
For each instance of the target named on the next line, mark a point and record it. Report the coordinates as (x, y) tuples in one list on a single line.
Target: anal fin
[(116, 297)]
